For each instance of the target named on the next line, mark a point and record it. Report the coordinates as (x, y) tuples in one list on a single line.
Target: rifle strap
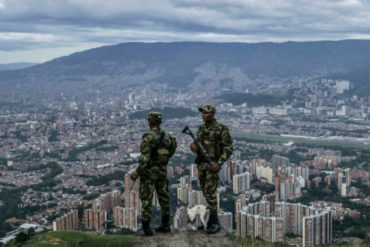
[(160, 139)]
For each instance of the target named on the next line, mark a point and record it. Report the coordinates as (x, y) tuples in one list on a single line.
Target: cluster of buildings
[(271, 221), (96, 218), (69, 221), (29, 138)]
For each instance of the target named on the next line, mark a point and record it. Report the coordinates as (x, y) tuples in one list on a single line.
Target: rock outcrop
[(187, 238)]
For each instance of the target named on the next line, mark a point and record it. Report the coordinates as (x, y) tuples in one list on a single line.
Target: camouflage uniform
[(216, 140), (152, 170)]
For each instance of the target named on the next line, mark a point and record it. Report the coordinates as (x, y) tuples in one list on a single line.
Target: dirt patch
[(52, 241)]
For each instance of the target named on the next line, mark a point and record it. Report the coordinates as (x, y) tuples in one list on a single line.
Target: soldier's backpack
[(161, 151)]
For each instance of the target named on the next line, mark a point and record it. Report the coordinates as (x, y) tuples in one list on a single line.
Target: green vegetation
[(167, 113), (266, 154), (227, 202), (363, 157), (21, 137), (349, 227), (117, 175), (296, 158), (3, 161), (251, 99), (257, 242), (74, 239), (76, 151), (11, 198), (91, 196), (352, 227), (48, 180), (264, 187), (26, 156), (53, 136), (341, 145), (107, 149)]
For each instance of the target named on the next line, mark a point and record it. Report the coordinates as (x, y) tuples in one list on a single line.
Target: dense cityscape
[(299, 172)]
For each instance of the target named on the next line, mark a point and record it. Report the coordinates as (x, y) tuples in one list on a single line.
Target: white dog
[(200, 210)]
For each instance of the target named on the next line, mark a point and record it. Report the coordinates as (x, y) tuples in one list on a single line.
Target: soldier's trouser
[(147, 187), (209, 182)]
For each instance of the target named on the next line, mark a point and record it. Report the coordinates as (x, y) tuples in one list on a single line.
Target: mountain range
[(192, 65), (13, 66)]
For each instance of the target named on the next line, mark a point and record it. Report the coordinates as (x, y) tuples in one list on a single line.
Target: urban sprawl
[(296, 167)]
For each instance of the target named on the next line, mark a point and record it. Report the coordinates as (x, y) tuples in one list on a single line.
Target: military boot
[(214, 224), (209, 222), (201, 226), (165, 224), (146, 228)]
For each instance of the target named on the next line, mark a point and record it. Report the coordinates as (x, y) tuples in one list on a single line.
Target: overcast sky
[(40, 30)]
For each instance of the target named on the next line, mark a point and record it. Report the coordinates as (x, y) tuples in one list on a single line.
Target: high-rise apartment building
[(344, 181), (279, 161), (193, 172), (95, 219), (317, 229), (125, 217), (183, 193), (195, 198), (264, 173), (226, 220), (241, 182), (131, 194), (314, 225), (66, 222), (107, 201), (180, 219), (268, 228)]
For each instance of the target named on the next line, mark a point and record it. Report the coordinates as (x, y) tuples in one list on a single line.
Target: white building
[(241, 182)]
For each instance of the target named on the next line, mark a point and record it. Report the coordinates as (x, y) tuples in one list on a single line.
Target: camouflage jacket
[(149, 145), (216, 140)]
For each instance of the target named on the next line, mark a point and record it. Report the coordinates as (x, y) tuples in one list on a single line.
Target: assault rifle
[(201, 151)]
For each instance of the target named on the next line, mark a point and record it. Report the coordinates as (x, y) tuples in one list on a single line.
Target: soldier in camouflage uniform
[(156, 148), (216, 140)]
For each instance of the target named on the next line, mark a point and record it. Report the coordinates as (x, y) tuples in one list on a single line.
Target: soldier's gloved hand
[(134, 176), (194, 148), (215, 167)]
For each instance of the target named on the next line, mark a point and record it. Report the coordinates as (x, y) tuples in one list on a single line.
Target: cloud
[(39, 24)]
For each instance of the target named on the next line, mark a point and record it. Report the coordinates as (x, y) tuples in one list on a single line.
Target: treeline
[(107, 149), (48, 180), (3, 161), (100, 180), (167, 113), (11, 199), (53, 137), (363, 157)]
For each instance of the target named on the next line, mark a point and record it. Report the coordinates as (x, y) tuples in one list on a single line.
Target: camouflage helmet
[(207, 109), (155, 116)]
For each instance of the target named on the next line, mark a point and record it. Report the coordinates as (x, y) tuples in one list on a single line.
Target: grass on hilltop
[(89, 239), (255, 242), (77, 239)]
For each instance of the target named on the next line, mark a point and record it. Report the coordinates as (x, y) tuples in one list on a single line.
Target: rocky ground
[(187, 238)]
